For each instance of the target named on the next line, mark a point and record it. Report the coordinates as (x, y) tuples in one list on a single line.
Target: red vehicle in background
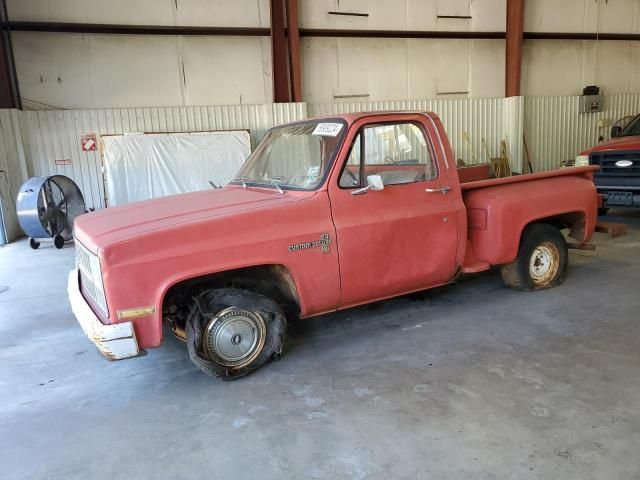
[(618, 180), (326, 214)]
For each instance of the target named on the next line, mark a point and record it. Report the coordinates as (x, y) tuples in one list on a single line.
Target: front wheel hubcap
[(234, 337), (544, 263)]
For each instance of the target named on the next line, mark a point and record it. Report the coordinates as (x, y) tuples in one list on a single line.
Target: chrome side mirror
[(374, 182)]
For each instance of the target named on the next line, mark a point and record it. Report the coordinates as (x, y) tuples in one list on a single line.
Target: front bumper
[(115, 341)]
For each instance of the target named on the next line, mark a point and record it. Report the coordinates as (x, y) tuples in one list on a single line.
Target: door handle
[(443, 190)]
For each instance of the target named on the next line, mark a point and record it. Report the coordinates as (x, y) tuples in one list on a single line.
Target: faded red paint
[(621, 143), (384, 243)]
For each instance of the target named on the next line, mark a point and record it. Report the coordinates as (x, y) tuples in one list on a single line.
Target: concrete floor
[(469, 381)]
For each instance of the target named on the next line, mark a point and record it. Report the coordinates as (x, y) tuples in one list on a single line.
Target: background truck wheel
[(232, 332), (541, 261)]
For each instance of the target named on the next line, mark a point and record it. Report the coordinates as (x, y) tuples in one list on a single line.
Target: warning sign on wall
[(88, 142)]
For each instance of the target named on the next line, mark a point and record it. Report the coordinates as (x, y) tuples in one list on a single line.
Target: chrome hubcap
[(234, 337), (544, 263)]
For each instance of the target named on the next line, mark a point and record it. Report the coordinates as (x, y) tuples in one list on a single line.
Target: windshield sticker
[(327, 129)]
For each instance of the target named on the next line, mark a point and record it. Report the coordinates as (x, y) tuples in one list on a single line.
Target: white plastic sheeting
[(140, 167)]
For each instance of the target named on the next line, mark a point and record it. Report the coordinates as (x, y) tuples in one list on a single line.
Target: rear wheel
[(232, 332), (541, 262)]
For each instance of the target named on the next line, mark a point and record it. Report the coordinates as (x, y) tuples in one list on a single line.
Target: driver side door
[(402, 238)]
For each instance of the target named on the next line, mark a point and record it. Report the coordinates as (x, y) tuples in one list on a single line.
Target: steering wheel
[(389, 160)]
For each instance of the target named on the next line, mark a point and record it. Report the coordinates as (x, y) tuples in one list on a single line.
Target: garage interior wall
[(63, 70), (75, 83), (13, 169)]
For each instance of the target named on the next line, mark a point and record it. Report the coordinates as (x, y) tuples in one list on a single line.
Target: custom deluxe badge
[(324, 243)]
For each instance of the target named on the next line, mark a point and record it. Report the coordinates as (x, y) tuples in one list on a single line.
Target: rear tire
[(541, 262), (232, 332)]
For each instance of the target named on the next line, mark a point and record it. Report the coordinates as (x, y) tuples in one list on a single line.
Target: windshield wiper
[(213, 185), (242, 181), (274, 181)]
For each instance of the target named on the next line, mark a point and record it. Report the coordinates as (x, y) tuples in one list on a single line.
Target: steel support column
[(279, 53), (293, 37), (9, 93), (515, 25)]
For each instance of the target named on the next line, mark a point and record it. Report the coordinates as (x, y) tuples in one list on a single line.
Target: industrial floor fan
[(47, 208)]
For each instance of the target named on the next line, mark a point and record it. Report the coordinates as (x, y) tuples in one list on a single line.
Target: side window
[(398, 152), (350, 177)]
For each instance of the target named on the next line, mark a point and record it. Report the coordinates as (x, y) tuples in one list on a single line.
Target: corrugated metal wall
[(55, 135), (12, 170), (31, 142), (555, 131), (478, 118)]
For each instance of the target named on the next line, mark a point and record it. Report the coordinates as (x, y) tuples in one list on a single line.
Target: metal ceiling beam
[(89, 28), (514, 37), (56, 27)]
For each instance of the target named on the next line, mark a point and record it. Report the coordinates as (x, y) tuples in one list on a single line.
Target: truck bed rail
[(586, 172)]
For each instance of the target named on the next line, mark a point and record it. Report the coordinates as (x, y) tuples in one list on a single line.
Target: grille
[(90, 276), (612, 175), (608, 167)]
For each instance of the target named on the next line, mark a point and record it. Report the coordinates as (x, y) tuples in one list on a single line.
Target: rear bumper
[(116, 341)]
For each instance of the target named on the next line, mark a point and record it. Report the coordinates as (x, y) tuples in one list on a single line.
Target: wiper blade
[(213, 185), (242, 181), (275, 183)]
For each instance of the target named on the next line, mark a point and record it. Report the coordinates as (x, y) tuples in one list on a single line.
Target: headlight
[(91, 277), (582, 161)]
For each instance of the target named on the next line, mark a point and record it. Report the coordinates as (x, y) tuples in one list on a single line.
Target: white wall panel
[(55, 135), (555, 131), (239, 13), (554, 67), (487, 15), (610, 16), (12, 170), (232, 70), (105, 71), (401, 68)]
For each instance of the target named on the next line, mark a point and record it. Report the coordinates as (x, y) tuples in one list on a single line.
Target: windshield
[(294, 157), (633, 128)]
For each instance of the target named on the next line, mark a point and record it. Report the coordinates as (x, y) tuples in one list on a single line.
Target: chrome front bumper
[(115, 341)]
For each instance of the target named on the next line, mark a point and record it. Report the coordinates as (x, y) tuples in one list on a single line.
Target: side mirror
[(616, 130), (374, 182)]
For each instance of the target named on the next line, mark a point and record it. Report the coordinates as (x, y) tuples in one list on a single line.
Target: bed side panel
[(498, 214)]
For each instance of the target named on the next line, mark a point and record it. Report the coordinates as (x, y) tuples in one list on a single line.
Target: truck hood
[(98, 229), (620, 143)]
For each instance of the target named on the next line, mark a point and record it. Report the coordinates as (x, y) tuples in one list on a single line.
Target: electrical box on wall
[(590, 103)]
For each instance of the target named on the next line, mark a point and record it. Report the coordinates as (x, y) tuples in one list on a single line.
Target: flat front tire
[(541, 262), (232, 332)]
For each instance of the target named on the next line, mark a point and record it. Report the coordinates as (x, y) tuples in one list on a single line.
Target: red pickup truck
[(325, 214), (618, 180)]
